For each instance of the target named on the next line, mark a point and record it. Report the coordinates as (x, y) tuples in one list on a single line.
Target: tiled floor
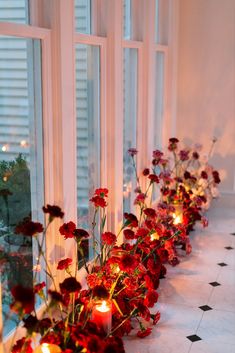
[(197, 298)]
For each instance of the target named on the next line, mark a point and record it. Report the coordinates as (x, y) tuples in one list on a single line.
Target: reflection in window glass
[(159, 99), (127, 19), (88, 129), (14, 11), (130, 124), (162, 21), (21, 161), (83, 16)]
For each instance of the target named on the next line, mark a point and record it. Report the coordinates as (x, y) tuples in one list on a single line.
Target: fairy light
[(177, 219), (23, 143), (4, 148)]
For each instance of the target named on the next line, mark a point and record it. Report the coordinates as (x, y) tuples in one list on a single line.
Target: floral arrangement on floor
[(123, 278)]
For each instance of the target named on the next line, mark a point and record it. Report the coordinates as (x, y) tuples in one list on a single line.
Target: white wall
[(206, 80)]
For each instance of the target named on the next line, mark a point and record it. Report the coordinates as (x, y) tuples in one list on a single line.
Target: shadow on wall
[(225, 164)]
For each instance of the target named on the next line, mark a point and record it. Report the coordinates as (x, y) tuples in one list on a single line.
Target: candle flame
[(177, 219), (154, 236), (45, 348), (103, 308)]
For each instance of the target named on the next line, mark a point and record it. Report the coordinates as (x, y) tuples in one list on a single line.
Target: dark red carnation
[(195, 155), (146, 171), (128, 263), (173, 144), (22, 345), (204, 175), (154, 178), (156, 317), (184, 155), (80, 234), (102, 192), (38, 287), (114, 344), (53, 211), (151, 298), (29, 228), (98, 201), (55, 296), (129, 234), (144, 333), (24, 299), (187, 175), (70, 285), (132, 152), (67, 230), (31, 323), (216, 177), (140, 199), (141, 232), (157, 154), (52, 337), (150, 212), (109, 238), (64, 264), (100, 292), (131, 220)]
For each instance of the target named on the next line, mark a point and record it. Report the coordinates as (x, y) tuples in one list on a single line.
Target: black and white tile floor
[(197, 299)]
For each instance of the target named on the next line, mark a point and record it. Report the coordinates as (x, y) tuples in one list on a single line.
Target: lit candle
[(154, 236), (177, 219), (47, 348), (102, 315)]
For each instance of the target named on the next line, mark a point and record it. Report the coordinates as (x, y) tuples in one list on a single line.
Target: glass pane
[(21, 160), (88, 128), (159, 99), (162, 21), (83, 16), (130, 124), (127, 19), (14, 11)]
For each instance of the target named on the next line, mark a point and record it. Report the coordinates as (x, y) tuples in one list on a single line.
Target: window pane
[(162, 21), (130, 123), (83, 16), (14, 11), (127, 19), (21, 160), (159, 99), (88, 128)]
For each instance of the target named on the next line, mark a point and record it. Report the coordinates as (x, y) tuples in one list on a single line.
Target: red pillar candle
[(102, 314)]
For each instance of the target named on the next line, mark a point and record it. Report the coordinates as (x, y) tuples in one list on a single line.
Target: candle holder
[(47, 348), (178, 214), (102, 314)]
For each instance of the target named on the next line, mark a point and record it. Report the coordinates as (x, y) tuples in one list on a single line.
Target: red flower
[(55, 296), (184, 155), (53, 338), (67, 230), (24, 299), (129, 234), (154, 178), (64, 264), (22, 345), (102, 192), (113, 345), (132, 152), (131, 220), (195, 155), (146, 171), (98, 201), (173, 144), (128, 263), (93, 280), (80, 234), (145, 332), (204, 175), (157, 154), (151, 298), (150, 212), (53, 211), (38, 287), (216, 177), (187, 175), (109, 238), (156, 317), (100, 292), (70, 285), (141, 232), (140, 198), (29, 228)]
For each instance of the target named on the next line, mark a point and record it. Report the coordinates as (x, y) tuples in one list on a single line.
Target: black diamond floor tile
[(228, 247), (205, 307), (194, 338), (214, 284), (222, 264)]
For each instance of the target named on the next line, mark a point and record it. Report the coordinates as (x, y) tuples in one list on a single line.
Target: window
[(130, 124), (83, 16), (88, 127), (14, 11), (162, 22), (159, 98), (127, 19), (21, 160)]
